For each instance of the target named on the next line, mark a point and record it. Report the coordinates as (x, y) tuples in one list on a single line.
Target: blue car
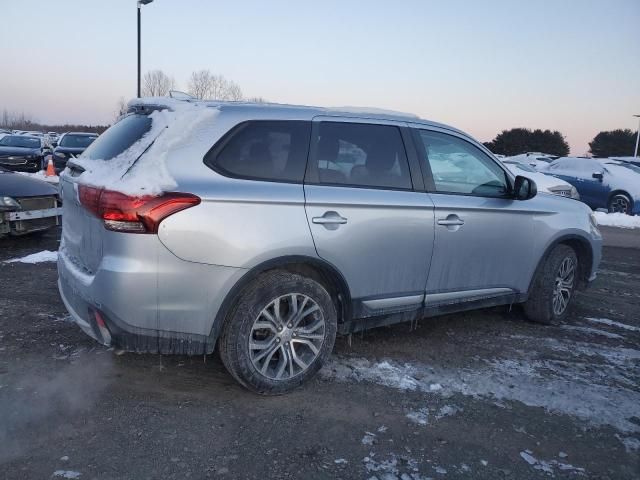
[(601, 183)]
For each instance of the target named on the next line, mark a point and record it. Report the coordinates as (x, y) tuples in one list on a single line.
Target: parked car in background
[(284, 225), (22, 153), (27, 205), (71, 145), (545, 183), (632, 160), (537, 160), (601, 183)]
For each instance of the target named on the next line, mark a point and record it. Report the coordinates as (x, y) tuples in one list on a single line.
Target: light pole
[(140, 3), (635, 152)]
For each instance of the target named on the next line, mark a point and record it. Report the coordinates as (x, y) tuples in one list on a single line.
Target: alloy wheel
[(287, 336), (563, 285), (619, 204)]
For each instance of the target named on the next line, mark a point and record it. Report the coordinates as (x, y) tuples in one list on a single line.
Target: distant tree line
[(22, 121), (521, 140), (615, 143)]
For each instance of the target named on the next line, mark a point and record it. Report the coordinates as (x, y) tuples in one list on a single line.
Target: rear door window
[(361, 155), (263, 150), (118, 138)]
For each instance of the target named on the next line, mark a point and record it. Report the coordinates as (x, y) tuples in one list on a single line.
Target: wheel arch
[(583, 250), (320, 270)]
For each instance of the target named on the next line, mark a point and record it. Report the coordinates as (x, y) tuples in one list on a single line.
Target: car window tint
[(117, 138), (362, 155), (264, 150), (458, 166)]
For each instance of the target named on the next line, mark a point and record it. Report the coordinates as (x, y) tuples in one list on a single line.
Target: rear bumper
[(148, 300)]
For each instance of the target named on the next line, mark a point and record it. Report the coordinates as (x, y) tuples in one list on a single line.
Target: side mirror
[(598, 176), (524, 188), (54, 144)]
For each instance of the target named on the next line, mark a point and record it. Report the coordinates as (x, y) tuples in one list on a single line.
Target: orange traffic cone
[(51, 172)]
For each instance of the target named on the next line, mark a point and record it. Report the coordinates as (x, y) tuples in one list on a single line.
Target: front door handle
[(330, 220), (452, 222)]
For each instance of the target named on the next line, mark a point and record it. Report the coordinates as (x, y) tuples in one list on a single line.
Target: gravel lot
[(481, 395)]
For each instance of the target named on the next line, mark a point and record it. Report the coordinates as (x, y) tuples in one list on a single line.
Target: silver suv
[(278, 227)]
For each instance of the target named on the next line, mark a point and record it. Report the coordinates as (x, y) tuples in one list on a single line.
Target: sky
[(567, 65)]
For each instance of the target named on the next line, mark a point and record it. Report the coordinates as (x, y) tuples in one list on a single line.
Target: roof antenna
[(178, 95)]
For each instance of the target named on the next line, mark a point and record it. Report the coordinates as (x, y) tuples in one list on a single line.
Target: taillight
[(125, 213)]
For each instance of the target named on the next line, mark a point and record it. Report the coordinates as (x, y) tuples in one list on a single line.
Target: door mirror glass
[(598, 175), (524, 188)]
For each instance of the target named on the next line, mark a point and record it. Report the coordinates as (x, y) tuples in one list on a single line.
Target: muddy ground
[(482, 395)]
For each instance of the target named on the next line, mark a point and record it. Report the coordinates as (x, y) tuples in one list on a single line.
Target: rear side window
[(263, 150), (118, 137), (361, 155)]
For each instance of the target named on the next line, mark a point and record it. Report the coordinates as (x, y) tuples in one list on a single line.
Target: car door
[(482, 236), (365, 215), (579, 172)]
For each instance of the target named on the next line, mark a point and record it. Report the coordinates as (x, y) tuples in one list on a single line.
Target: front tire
[(553, 288), (620, 203), (279, 334)]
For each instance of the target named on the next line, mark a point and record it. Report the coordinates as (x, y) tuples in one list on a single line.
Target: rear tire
[(279, 334), (620, 203), (553, 287)]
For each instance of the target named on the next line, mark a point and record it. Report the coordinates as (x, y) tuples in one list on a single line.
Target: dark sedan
[(27, 205), (70, 146), (22, 153)]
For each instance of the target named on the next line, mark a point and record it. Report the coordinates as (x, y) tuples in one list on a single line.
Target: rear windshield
[(118, 137), (19, 141), (77, 141)]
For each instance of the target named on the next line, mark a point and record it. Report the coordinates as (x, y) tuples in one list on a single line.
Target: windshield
[(118, 137), (20, 141), (77, 141)]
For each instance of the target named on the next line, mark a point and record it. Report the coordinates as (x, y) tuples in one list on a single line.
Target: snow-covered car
[(601, 183), (545, 183), (27, 205), (539, 161)]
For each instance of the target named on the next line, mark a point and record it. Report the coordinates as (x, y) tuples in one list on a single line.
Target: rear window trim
[(210, 158)]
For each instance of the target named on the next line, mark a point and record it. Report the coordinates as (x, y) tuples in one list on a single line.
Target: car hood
[(17, 185), (18, 151)]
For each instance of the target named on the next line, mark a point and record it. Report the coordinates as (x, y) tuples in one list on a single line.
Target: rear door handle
[(330, 220), (448, 222), (452, 222)]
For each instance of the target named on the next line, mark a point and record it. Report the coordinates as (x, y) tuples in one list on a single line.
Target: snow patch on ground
[(142, 168), (593, 331), (549, 466), (612, 323), (39, 257), (66, 474), (421, 417), (590, 381), (368, 438), (619, 220), (630, 444)]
